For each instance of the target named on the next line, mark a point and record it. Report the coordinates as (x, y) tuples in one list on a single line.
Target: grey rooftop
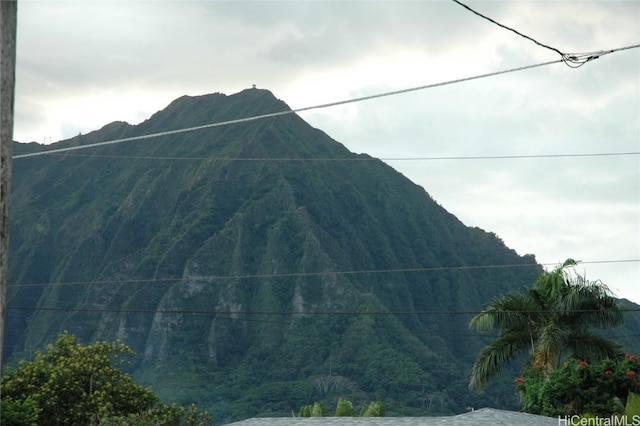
[(482, 417)]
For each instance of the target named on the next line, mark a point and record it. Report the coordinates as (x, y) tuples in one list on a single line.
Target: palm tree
[(551, 319)]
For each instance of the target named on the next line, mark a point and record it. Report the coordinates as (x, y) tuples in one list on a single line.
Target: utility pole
[(8, 18)]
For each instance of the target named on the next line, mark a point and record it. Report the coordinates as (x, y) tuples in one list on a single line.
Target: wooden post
[(8, 18)]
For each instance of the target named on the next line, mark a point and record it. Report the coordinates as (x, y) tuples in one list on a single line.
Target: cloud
[(84, 64)]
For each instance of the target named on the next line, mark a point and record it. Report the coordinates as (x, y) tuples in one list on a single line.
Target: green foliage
[(373, 409), (630, 416), (579, 387), (72, 383), (19, 413), (344, 408), (163, 415), (633, 405), (158, 235), (305, 411), (531, 390), (318, 409), (551, 318)]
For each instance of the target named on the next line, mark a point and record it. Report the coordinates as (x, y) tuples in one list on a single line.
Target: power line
[(513, 157), (508, 28), (465, 332), (280, 113), (208, 312), (315, 274), (356, 158), (309, 108), (573, 60)]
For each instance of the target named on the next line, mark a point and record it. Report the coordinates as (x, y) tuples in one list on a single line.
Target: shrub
[(579, 387)]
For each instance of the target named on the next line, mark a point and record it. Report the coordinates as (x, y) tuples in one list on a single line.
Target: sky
[(84, 64)]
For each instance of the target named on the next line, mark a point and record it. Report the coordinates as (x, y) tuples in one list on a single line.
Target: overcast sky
[(83, 64)]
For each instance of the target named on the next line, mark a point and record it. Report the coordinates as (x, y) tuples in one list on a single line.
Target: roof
[(482, 417)]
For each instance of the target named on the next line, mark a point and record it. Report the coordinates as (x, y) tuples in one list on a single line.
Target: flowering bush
[(578, 387)]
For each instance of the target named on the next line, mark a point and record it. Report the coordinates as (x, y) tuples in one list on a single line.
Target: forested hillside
[(254, 267)]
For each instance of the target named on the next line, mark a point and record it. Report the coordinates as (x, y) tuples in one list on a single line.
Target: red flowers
[(584, 363), (631, 373), (607, 372), (519, 380), (629, 356)]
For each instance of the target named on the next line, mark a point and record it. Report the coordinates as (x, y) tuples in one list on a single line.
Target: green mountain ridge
[(254, 267)]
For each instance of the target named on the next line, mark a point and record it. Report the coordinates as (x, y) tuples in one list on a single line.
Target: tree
[(344, 408), (551, 319), (373, 409), (318, 409), (19, 413), (71, 383)]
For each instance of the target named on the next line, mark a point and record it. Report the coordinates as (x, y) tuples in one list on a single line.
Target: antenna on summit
[(253, 86)]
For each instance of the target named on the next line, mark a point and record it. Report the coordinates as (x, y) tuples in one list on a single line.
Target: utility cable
[(353, 158), (315, 274), (286, 112), (573, 60), (320, 106), (508, 28), (464, 332), (292, 313)]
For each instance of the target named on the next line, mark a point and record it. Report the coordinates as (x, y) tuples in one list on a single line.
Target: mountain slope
[(255, 266)]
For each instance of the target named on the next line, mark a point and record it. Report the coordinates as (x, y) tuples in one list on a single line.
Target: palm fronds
[(549, 320)]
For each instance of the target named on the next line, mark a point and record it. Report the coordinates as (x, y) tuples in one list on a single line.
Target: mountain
[(254, 267)]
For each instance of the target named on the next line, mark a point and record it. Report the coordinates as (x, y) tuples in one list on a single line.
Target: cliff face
[(247, 263)]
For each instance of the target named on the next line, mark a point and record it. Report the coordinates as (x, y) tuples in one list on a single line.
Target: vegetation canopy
[(578, 387), (551, 319), (75, 384), (255, 267)]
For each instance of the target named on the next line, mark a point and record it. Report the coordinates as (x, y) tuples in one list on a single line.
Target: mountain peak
[(205, 109), (220, 254)]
